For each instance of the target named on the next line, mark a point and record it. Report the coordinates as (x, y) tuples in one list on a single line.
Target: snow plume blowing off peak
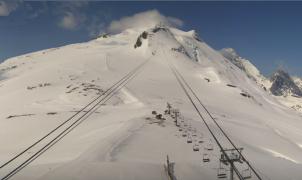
[(144, 19)]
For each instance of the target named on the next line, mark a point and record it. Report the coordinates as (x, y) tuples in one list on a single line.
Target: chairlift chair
[(189, 140), (221, 173), (247, 173), (205, 158), (209, 147), (184, 134), (195, 147), (201, 138)]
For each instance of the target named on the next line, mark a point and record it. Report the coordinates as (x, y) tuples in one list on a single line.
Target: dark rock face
[(182, 50), (139, 42), (159, 28), (196, 36), (283, 85)]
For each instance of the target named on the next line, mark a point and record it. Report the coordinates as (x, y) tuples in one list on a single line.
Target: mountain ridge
[(280, 84)]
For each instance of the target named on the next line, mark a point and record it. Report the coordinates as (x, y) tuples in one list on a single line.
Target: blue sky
[(267, 33)]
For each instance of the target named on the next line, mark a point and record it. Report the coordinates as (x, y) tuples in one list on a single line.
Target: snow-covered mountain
[(241, 63), (284, 85), (246, 66), (298, 81), (122, 139), (286, 89)]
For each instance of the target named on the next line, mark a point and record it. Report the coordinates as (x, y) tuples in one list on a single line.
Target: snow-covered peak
[(240, 62), (284, 85), (298, 81), (245, 65), (285, 88)]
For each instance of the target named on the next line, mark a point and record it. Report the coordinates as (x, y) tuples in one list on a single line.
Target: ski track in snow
[(277, 154)]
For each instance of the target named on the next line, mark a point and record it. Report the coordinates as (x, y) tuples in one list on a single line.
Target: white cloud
[(70, 21), (71, 15), (6, 7), (143, 19)]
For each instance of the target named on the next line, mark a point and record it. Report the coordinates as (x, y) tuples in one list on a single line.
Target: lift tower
[(234, 156)]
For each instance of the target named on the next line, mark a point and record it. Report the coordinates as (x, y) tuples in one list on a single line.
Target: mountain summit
[(241, 63), (284, 85)]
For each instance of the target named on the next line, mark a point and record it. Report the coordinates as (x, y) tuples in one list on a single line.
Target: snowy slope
[(298, 81), (246, 66), (120, 141), (281, 85)]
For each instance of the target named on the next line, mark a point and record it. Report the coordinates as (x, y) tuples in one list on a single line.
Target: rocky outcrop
[(283, 85)]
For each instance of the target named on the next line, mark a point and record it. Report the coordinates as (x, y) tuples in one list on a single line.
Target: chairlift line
[(221, 172), (205, 157), (181, 80), (173, 69), (214, 120)]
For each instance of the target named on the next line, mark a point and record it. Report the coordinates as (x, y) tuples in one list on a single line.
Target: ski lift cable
[(70, 118), (62, 134), (65, 133), (199, 113), (231, 142)]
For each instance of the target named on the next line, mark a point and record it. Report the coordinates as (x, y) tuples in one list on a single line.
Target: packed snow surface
[(122, 139)]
